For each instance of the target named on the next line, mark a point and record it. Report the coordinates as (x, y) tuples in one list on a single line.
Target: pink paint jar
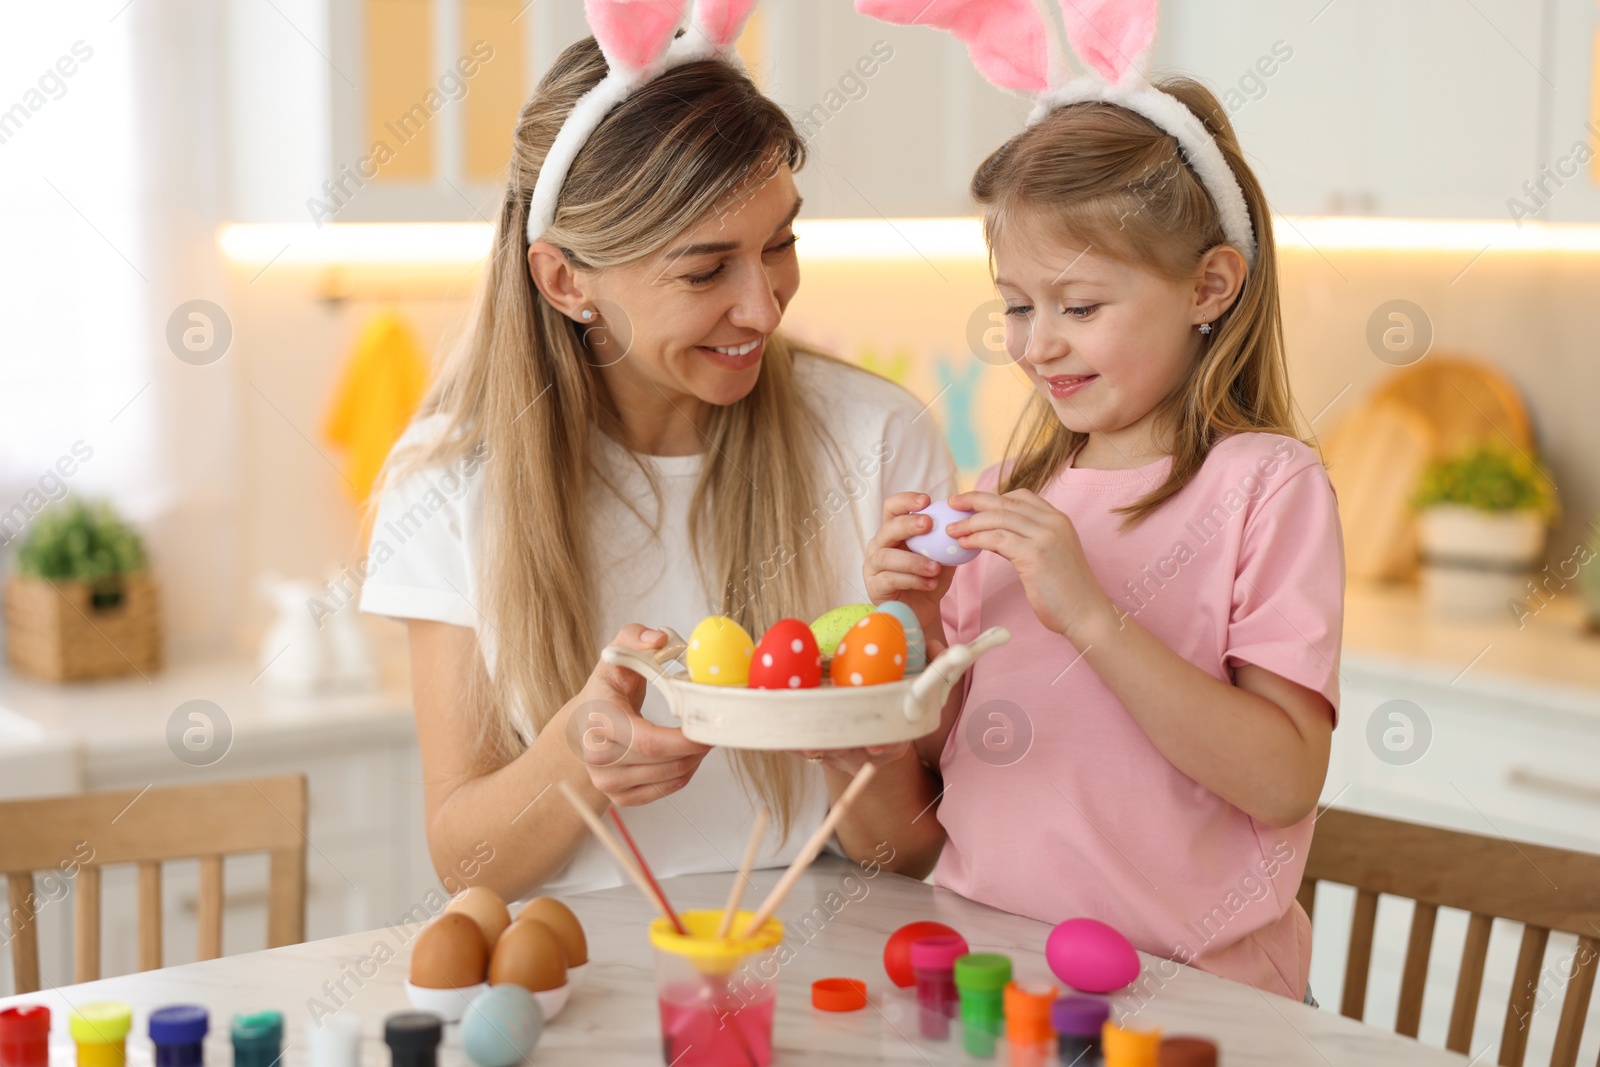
[(933, 961)]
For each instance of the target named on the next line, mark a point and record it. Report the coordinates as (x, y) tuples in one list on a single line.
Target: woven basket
[(55, 631)]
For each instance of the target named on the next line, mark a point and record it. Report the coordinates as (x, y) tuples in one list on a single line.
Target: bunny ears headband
[(640, 42), (1014, 46)]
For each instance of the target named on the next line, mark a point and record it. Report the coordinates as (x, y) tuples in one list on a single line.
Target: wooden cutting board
[(1374, 458), (1377, 454)]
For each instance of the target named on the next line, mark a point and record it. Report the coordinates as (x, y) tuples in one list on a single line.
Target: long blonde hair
[(1114, 180), (523, 384)]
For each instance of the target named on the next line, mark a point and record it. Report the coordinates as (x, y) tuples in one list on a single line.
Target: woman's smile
[(736, 357)]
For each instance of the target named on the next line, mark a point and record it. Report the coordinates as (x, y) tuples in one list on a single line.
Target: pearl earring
[(588, 313), (1205, 328)]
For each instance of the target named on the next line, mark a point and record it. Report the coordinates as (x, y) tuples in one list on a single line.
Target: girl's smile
[(1068, 384)]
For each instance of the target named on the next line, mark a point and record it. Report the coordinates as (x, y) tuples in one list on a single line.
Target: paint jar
[(1077, 1021), (257, 1038), (1188, 1052), (178, 1032), (413, 1038), (25, 1036), (1028, 1032), (717, 995), (981, 979), (1129, 1048), (933, 961), (100, 1031)]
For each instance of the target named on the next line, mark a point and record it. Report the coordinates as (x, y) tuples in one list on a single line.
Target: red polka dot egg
[(786, 658), (873, 652)]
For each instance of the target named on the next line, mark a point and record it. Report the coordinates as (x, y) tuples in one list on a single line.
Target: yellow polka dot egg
[(872, 652), (719, 652)]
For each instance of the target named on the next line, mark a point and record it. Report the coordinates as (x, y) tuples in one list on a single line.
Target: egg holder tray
[(822, 717)]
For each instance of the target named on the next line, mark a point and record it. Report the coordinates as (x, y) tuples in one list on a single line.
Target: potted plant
[(80, 602), (1483, 516)]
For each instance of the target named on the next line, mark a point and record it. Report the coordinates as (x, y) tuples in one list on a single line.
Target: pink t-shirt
[(1058, 805)]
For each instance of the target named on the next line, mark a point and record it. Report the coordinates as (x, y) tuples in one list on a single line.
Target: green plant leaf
[(78, 541), (1488, 478)]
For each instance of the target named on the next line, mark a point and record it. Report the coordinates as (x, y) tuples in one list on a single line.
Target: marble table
[(836, 922)]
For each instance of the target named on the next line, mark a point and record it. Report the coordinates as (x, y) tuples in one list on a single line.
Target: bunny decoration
[(1015, 46), (640, 41)]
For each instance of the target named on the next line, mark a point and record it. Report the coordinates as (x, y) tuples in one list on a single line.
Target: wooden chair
[(146, 827), (1543, 888)]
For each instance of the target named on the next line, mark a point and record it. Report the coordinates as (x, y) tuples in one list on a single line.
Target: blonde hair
[(523, 384), (1114, 180)]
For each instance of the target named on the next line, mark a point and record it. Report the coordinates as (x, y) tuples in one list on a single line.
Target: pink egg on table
[(786, 658), (938, 545), (1090, 956)]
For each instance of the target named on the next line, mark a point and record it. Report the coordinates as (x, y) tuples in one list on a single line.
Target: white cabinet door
[(1477, 760), (895, 118), (1423, 108), (1567, 185)]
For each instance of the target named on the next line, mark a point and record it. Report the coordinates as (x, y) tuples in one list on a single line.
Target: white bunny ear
[(1112, 36), (1010, 41), (633, 34)]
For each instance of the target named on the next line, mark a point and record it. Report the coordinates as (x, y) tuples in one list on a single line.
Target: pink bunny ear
[(1008, 40), (633, 33), (1112, 36), (721, 20)]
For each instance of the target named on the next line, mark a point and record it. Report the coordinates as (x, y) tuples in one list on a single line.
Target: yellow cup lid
[(704, 947), (103, 1022)]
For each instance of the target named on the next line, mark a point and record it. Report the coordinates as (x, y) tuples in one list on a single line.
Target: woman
[(624, 438)]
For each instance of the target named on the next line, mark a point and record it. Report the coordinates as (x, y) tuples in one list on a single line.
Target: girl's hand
[(894, 572), (1043, 546), (850, 760), (629, 758)]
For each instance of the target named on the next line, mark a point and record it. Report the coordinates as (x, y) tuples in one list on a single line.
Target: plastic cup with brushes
[(717, 970)]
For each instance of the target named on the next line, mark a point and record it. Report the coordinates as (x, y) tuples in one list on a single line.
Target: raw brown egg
[(529, 954), (450, 953), (483, 906), (559, 918)]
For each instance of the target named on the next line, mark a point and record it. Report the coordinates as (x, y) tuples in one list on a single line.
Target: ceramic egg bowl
[(823, 717)]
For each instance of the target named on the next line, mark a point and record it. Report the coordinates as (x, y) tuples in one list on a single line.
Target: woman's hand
[(630, 759), (1043, 546), (894, 572)]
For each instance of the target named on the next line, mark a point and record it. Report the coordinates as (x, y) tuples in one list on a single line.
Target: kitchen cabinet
[(1429, 108), (1570, 121)]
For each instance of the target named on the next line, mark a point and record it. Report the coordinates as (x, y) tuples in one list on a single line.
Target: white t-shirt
[(432, 521)]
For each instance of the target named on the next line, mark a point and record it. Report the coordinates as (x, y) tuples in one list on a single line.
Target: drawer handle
[(1539, 782)]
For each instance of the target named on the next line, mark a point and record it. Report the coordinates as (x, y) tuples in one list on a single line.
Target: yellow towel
[(384, 380)]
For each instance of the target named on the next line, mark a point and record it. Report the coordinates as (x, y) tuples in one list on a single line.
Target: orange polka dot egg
[(873, 652)]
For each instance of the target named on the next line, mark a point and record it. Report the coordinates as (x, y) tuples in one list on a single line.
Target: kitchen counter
[(1389, 627), (836, 922), (57, 738)]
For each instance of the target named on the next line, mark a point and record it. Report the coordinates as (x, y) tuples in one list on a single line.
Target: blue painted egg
[(916, 643), (501, 1026)]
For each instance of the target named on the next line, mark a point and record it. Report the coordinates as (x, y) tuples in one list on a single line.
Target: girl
[(1165, 550), (624, 435)]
